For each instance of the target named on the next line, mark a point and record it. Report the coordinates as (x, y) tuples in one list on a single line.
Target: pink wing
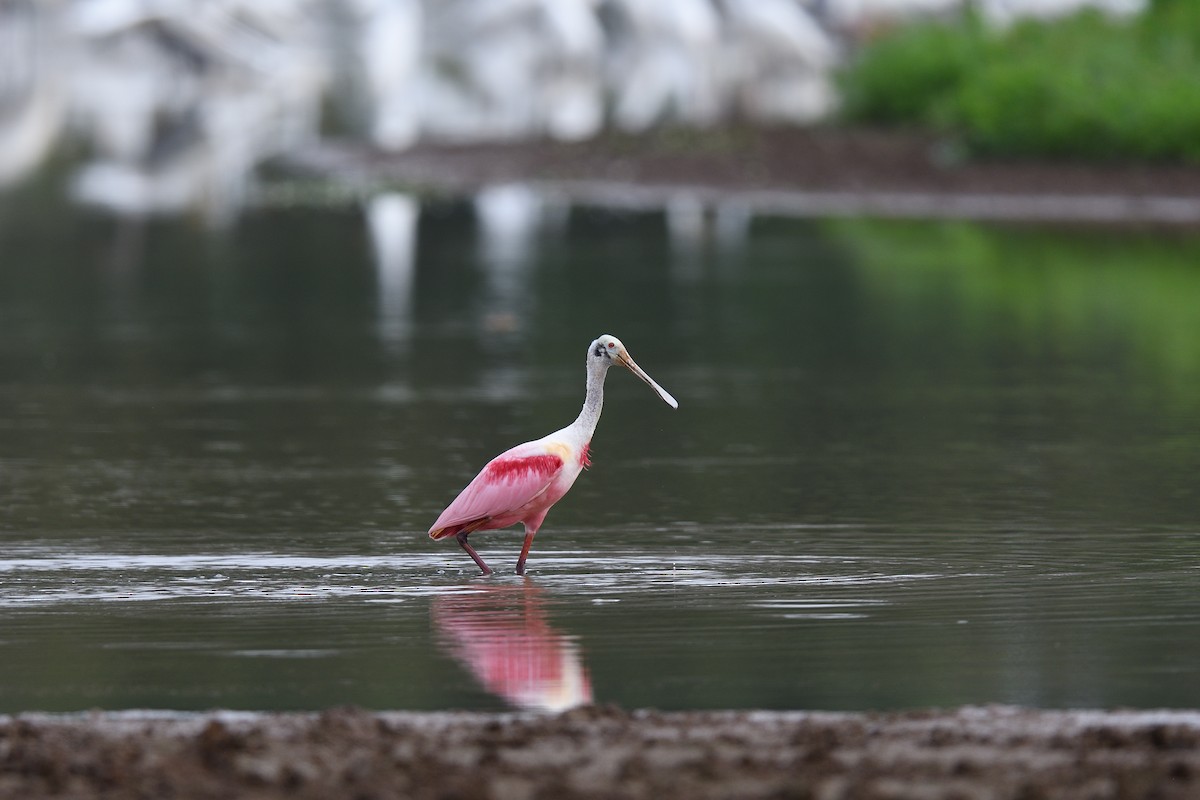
[(509, 481)]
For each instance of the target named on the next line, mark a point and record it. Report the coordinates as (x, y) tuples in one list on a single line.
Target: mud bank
[(994, 752), (787, 171)]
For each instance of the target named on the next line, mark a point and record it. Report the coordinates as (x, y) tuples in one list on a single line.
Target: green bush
[(906, 76), (1084, 86)]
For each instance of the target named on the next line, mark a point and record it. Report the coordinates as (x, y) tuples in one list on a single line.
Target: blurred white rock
[(783, 60), (663, 63), (390, 38), (33, 102), (180, 101)]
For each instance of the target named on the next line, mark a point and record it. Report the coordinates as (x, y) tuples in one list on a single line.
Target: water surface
[(913, 464)]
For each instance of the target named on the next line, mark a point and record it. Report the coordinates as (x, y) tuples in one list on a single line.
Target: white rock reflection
[(731, 224), (392, 220), (687, 229), (503, 636), (686, 220), (511, 218), (694, 227)]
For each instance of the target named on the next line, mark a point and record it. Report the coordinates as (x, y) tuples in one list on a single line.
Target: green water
[(913, 464)]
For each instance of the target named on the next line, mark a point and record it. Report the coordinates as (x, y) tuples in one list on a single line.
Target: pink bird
[(521, 484)]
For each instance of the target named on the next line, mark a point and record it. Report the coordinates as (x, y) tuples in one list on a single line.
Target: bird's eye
[(611, 345)]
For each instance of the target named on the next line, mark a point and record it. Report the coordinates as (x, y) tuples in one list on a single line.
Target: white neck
[(585, 423)]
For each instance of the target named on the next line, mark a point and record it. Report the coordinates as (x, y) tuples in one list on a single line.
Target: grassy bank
[(1086, 86)]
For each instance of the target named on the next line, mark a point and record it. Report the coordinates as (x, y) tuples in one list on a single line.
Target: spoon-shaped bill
[(627, 361)]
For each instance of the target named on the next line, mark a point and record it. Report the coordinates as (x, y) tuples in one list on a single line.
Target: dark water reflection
[(913, 464)]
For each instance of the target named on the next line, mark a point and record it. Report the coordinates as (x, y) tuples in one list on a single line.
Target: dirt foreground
[(992, 752)]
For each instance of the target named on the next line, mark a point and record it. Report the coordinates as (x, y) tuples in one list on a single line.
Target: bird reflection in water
[(503, 636)]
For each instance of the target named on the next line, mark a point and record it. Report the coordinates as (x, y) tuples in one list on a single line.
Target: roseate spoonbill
[(521, 484)]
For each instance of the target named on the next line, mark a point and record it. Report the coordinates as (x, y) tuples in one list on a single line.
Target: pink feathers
[(510, 489), (510, 469)]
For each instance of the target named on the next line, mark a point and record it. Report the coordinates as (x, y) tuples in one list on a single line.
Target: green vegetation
[(1085, 86), (1113, 295)]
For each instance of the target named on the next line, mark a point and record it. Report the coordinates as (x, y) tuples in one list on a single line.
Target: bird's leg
[(529, 533), (532, 524), (462, 540)]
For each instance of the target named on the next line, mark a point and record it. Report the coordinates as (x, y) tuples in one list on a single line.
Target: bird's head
[(608, 350)]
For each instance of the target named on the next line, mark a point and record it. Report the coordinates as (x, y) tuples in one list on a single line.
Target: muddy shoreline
[(788, 171), (988, 752)]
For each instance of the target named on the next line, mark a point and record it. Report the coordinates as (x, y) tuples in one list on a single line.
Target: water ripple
[(48, 578)]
